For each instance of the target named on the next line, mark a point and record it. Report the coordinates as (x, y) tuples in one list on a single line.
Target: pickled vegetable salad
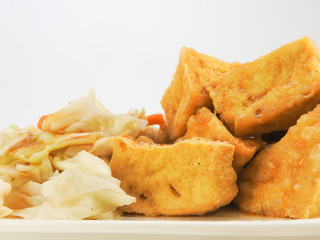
[(59, 169)]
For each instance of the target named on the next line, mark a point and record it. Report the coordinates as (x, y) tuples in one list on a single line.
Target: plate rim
[(308, 227)]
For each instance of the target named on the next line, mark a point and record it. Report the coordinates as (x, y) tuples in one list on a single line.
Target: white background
[(52, 52)]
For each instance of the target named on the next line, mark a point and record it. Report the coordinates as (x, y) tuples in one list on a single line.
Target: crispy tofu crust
[(283, 180), (187, 91), (207, 125), (272, 92), (190, 177)]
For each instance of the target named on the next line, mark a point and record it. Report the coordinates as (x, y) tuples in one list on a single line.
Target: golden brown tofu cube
[(272, 92), (207, 125), (187, 91), (190, 177), (283, 180)]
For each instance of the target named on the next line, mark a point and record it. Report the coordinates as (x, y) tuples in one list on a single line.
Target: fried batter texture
[(283, 180), (272, 92), (191, 177), (207, 125), (187, 91)]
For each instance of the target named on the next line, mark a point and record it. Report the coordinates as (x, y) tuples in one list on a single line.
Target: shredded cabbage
[(60, 171), (84, 189), (5, 189), (88, 115)]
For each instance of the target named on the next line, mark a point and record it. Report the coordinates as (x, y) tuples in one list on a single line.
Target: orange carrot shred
[(41, 120), (156, 119)]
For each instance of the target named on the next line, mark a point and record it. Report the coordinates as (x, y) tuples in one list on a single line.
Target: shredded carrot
[(156, 119), (41, 120)]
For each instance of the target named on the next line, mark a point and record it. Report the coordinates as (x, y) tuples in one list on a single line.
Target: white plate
[(227, 223)]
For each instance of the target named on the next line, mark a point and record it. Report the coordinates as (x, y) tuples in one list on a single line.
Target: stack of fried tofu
[(218, 115)]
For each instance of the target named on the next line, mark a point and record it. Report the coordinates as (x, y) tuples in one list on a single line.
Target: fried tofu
[(207, 125), (270, 93), (191, 177), (187, 91), (283, 180)]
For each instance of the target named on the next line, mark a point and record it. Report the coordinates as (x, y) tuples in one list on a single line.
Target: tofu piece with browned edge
[(191, 177), (283, 180), (270, 93), (207, 125), (187, 91)]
